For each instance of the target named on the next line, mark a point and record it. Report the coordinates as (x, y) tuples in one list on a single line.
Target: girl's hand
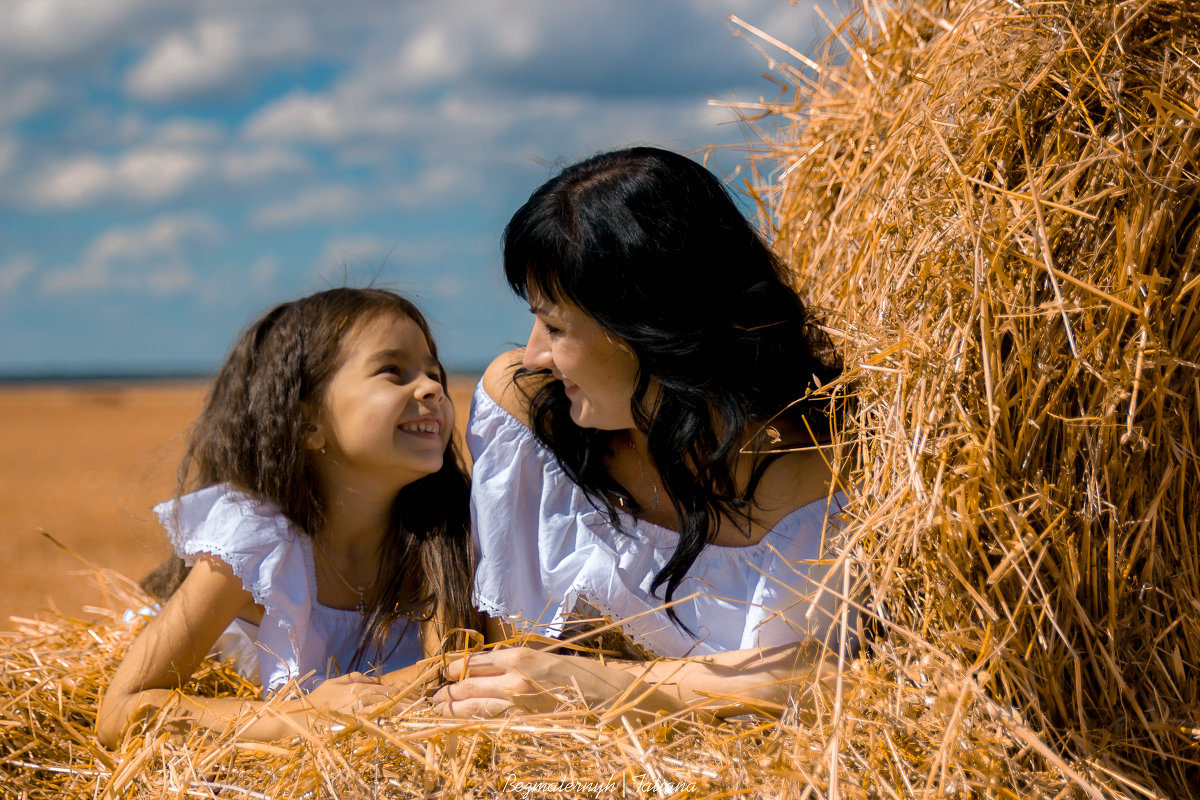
[(352, 693), (511, 679)]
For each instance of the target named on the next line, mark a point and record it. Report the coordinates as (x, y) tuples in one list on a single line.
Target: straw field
[(994, 205)]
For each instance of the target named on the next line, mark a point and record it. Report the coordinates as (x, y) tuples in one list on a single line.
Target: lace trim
[(190, 552), (644, 627), (493, 609)]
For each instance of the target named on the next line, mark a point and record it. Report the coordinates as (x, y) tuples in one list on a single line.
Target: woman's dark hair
[(252, 434), (649, 244)]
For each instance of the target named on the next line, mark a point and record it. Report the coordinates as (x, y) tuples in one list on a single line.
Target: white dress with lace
[(542, 547), (298, 638)]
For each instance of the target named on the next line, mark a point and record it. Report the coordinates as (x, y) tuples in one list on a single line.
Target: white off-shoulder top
[(298, 638), (541, 547)]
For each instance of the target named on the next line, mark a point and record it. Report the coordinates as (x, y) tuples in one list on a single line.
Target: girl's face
[(598, 372), (385, 419)]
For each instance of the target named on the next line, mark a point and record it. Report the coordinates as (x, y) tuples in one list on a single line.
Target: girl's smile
[(426, 427)]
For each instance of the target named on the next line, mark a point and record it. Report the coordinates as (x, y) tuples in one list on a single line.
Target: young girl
[(327, 526)]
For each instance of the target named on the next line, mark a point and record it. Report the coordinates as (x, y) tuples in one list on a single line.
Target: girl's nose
[(537, 350), (430, 389)]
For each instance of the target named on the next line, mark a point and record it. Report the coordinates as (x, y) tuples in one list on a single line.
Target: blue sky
[(169, 170)]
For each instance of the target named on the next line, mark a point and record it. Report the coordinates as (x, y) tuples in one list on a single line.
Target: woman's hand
[(524, 679), (515, 678), (521, 679), (352, 693)]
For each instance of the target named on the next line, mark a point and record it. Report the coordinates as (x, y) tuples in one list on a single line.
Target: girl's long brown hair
[(252, 434)]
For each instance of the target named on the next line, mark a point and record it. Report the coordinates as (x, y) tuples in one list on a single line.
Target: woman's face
[(598, 372)]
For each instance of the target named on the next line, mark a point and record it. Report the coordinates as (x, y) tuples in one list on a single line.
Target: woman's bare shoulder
[(499, 381)]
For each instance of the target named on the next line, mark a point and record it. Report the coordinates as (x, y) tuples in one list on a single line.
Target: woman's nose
[(537, 350)]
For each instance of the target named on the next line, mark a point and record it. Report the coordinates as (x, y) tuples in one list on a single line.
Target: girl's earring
[(315, 437)]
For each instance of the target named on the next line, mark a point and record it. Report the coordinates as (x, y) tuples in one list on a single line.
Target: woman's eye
[(550, 329)]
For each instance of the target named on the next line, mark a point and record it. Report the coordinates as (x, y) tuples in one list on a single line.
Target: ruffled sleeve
[(265, 552)]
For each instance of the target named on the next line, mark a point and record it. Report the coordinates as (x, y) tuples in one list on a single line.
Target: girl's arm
[(724, 684), (167, 652)]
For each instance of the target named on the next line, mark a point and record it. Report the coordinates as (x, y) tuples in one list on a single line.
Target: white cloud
[(154, 174), (324, 202), (435, 185), (72, 183), (329, 119), (215, 55), (154, 258), (429, 56), (167, 161), (185, 131), (14, 271), (515, 79), (251, 166), (146, 174), (56, 30), (163, 235)]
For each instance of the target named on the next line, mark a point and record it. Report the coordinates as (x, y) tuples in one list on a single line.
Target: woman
[(644, 457)]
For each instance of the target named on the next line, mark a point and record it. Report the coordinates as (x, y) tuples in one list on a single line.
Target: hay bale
[(996, 205)]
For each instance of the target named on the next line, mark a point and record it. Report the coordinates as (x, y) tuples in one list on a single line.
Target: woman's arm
[(167, 652), (724, 684)]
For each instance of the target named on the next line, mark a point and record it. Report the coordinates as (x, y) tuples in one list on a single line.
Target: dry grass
[(995, 205), (55, 670)]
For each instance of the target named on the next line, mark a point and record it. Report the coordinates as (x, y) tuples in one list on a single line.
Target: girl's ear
[(314, 428), (314, 436)]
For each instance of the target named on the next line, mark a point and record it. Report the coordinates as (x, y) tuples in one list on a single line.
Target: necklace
[(642, 471), (361, 591)]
